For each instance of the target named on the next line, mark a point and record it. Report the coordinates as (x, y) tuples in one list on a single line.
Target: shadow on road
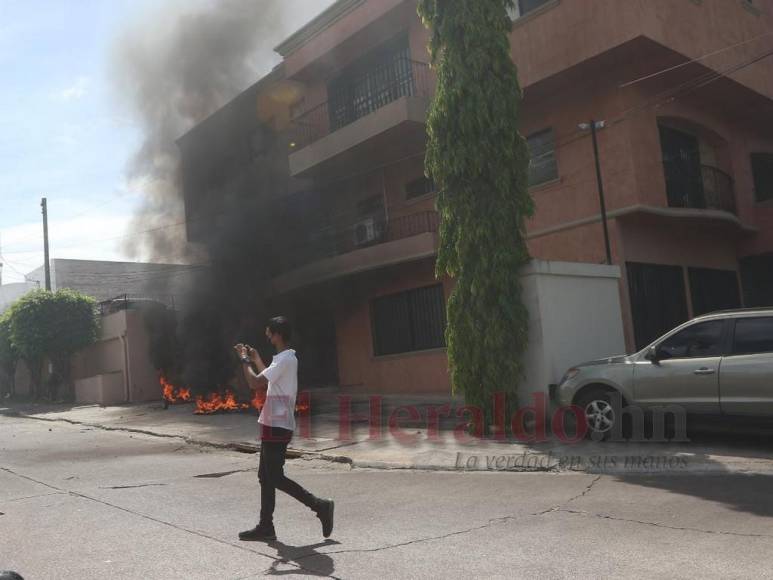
[(749, 493), (746, 438), (311, 562)]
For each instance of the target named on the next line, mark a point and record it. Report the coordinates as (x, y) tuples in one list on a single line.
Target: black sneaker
[(325, 515), (259, 533)]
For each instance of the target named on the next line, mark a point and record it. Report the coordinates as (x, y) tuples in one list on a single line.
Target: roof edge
[(274, 75), (324, 20)]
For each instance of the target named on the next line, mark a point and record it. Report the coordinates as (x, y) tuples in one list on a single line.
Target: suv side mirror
[(652, 354)]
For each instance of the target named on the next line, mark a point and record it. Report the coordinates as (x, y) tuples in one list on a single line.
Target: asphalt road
[(84, 503)]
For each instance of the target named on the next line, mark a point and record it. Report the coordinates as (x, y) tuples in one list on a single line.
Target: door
[(682, 166), (757, 280), (687, 370), (746, 375), (658, 300), (713, 290)]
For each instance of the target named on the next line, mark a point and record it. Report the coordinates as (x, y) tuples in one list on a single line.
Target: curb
[(296, 453), (242, 447)]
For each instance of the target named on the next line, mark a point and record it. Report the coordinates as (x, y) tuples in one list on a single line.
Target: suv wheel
[(600, 414)]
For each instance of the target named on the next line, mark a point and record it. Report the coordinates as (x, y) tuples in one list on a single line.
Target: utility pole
[(593, 126), (46, 265)]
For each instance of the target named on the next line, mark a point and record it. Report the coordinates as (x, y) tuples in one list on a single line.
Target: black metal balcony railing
[(718, 189), (712, 189), (360, 97), (339, 239)]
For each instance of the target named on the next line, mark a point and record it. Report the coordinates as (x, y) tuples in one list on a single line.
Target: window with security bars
[(377, 80), (409, 321), (762, 169), (542, 163)]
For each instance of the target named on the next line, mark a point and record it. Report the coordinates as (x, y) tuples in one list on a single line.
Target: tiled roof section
[(335, 12)]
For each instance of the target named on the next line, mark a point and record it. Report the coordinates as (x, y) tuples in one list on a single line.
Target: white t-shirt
[(282, 377)]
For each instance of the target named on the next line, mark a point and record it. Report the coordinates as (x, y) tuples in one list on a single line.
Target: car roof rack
[(738, 311)]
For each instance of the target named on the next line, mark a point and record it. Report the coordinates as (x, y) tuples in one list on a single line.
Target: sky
[(63, 133)]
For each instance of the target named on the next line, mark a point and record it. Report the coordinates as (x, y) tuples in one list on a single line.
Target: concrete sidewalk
[(720, 450)]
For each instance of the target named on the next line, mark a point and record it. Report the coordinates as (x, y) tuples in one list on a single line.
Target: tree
[(9, 357), (479, 162), (52, 325)]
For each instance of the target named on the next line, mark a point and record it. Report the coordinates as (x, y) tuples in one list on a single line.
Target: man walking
[(276, 424)]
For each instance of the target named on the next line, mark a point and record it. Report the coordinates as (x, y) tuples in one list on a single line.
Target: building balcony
[(369, 243), (365, 109), (708, 188)]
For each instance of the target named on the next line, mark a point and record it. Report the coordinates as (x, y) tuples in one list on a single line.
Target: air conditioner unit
[(365, 232)]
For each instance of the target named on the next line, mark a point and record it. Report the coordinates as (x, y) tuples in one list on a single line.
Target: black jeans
[(273, 446)]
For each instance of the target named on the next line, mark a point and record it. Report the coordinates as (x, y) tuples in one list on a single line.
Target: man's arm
[(254, 380)]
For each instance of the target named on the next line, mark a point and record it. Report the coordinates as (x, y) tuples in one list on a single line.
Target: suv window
[(699, 340), (753, 335)]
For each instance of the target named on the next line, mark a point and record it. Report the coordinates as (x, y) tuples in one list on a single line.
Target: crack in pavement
[(589, 487), (491, 522), (134, 486), (488, 524), (189, 440), (32, 496), (250, 448), (154, 519), (347, 444), (560, 506), (661, 525)]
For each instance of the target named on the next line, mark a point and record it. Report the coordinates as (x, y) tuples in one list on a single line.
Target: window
[(523, 7), (409, 321), (682, 168), (418, 188), (376, 80), (372, 205), (699, 340), (762, 168), (751, 6), (542, 165), (753, 335), (298, 108)]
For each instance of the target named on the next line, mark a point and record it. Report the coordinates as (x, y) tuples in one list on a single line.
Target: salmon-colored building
[(682, 95)]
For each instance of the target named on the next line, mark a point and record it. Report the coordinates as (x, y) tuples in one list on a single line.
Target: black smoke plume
[(176, 68)]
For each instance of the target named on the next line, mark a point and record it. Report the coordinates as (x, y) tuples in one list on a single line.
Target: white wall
[(574, 316), (9, 293)]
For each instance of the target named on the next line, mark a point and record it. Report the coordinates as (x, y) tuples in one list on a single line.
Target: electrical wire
[(694, 60), (6, 262), (664, 97), (691, 85)]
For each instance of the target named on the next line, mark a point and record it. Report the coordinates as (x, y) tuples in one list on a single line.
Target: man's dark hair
[(280, 325), (10, 575)]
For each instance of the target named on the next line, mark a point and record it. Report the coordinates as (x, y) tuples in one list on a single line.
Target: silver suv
[(717, 364)]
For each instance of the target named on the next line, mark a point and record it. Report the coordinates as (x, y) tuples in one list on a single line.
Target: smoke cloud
[(173, 68)]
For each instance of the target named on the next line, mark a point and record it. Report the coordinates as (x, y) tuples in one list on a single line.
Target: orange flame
[(258, 400), (214, 402), (172, 394), (217, 402)]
